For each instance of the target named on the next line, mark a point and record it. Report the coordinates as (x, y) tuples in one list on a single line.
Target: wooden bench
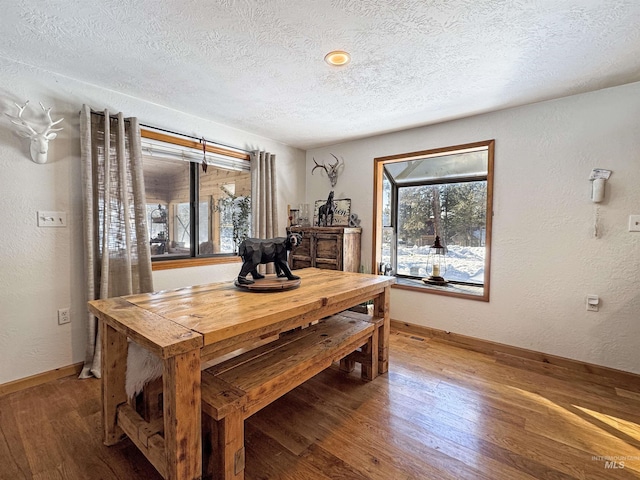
[(237, 388)]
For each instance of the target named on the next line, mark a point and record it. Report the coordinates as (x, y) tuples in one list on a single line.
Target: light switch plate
[(634, 223), (52, 219)]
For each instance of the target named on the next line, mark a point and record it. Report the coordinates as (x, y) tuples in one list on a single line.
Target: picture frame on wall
[(342, 212)]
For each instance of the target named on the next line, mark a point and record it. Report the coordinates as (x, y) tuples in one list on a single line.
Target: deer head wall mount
[(39, 137), (332, 170)]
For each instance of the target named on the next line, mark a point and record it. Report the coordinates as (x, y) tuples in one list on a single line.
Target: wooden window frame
[(378, 175), (162, 264)]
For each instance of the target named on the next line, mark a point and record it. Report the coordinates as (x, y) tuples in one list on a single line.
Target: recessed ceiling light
[(337, 58)]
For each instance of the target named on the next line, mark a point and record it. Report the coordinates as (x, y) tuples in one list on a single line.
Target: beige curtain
[(117, 253), (264, 193)]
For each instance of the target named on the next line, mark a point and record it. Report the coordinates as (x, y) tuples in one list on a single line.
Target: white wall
[(545, 259), (41, 270)]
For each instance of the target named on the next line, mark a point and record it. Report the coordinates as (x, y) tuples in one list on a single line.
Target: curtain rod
[(180, 134)]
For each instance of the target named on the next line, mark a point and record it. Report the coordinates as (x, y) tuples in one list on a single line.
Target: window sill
[(193, 262), (451, 290)]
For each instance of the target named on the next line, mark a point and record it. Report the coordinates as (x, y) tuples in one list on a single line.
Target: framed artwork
[(342, 211)]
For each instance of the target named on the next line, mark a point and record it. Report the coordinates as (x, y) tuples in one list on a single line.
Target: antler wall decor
[(332, 171), (39, 139)]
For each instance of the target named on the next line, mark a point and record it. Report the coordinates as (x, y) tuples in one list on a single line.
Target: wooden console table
[(187, 326)]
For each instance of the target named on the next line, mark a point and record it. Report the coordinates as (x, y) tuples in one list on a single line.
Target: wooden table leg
[(114, 367), (182, 412), (369, 372), (381, 309)]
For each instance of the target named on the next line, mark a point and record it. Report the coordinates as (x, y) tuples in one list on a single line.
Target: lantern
[(436, 264)]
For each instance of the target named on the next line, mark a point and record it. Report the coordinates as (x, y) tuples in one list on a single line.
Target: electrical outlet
[(593, 303), (63, 316)]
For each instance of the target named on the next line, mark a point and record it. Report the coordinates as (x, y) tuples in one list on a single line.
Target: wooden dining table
[(186, 327)]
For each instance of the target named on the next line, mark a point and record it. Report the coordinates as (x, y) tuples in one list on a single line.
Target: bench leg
[(223, 447), (209, 442), (347, 365), (151, 401)]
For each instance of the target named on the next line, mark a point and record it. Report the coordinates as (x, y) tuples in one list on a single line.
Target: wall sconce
[(39, 139), (436, 264), (598, 177)]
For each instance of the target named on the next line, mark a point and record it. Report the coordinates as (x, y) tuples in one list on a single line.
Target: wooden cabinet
[(333, 248)]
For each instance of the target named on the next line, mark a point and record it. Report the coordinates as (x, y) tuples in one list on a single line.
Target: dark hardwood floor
[(440, 413)]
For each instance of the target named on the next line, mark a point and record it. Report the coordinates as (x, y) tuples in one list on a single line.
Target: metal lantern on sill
[(436, 264)]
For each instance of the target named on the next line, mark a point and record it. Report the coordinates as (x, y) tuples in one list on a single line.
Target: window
[(446, 193), (192, 212)]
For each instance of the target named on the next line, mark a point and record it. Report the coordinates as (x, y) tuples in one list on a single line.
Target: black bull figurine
[(255, 251)]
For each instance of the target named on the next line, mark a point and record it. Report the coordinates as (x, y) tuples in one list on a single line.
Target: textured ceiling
[(257, 65)]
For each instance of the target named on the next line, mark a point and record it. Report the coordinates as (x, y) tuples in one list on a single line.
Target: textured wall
[(41, 269), (545, 259)]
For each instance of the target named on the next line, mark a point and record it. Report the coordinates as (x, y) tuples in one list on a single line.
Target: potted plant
[(240, 209)]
